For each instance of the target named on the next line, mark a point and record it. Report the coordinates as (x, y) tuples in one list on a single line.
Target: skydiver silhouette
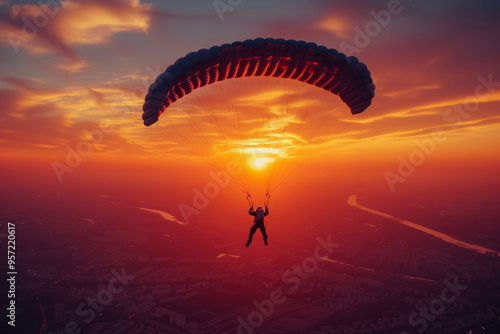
[(258, 223)]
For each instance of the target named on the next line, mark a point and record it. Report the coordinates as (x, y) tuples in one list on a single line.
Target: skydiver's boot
[(248, 243), (265, 242)]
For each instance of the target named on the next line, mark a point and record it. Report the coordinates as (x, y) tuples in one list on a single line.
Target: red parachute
[(299, 60)]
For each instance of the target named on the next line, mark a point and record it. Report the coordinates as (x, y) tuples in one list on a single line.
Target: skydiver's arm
[(251, 212), (267, 212)]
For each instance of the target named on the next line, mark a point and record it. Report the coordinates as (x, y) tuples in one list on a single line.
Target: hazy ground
[(71, 236)]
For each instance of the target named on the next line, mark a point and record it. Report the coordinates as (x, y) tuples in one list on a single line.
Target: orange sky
[(79, 81)]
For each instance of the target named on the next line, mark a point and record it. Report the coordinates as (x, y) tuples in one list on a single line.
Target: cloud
[(334, 24), (71, 65), (56, 27), (47, 120), (95, 22)]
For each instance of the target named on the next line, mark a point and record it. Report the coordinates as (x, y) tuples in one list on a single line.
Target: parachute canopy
[(299, 60)]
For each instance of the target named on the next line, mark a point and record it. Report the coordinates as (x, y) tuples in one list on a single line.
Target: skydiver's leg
[(252, 232), (264, 235)]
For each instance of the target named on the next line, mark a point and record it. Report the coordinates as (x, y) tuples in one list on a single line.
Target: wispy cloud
[(42, 29)]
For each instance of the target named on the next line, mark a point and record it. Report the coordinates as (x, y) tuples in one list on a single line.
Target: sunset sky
[(84, 67), (400, 199)]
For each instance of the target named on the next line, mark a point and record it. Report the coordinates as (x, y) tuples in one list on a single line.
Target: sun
[(259, 163), (262, 157)]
